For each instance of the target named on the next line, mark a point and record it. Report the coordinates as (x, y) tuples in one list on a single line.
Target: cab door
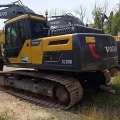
[(12, 46), (25, 42)]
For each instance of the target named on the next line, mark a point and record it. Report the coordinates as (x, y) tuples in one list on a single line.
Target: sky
[(39, 6)]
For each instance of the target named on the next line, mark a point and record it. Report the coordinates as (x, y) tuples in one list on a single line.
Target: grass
[(5, 116), (102, 105)]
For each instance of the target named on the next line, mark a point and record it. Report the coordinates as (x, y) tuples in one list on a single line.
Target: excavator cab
[(19, 32)]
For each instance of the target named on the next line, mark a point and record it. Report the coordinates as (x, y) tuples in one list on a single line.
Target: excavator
[(117, 38), (59, 61)]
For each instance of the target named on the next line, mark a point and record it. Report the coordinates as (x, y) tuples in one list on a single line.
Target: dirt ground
[(19, 109)]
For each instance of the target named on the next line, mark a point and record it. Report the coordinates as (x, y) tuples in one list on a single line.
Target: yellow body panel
[(2, 39), (58, 47), (35, 53), (117, 38), (26, 50), (14, 60)]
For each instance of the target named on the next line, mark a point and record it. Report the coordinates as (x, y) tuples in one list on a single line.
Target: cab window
[(21, 30), (11, 35), (37, 29)]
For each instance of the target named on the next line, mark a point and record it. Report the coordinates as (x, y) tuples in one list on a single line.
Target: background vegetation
[(101, 16), (0, 32)]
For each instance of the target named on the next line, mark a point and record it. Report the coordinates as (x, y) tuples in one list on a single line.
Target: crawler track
[(72, 85)]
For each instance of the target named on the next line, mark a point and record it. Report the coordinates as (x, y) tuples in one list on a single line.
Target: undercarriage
[(50, 89)]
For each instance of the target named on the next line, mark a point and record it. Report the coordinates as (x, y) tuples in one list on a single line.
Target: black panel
[(49, 66), (73, 29), (77, 55), (118, 48), (51, 56), (104, 46), (62, 60)]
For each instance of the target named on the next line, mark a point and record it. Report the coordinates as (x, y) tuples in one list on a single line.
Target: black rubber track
[(72, 85)]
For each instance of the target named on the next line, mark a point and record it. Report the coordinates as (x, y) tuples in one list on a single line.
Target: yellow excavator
[(60, 62), (2, 41)]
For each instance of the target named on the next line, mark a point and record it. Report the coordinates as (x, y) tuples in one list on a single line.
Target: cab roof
[(23, 17)]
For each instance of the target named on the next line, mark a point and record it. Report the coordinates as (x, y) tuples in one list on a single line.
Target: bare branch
[(80, 11), (56, 11)]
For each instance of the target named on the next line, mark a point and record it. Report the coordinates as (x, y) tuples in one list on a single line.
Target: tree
[(80, 11), (110, 23), (56, 12), (99, 14), (97, 17), (116, 24), (113, 25), (0, 32)]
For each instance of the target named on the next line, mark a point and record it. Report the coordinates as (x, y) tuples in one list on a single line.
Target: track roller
[(62, 94)]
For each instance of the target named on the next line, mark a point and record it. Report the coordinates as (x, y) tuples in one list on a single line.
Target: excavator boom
[(13, 10)]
